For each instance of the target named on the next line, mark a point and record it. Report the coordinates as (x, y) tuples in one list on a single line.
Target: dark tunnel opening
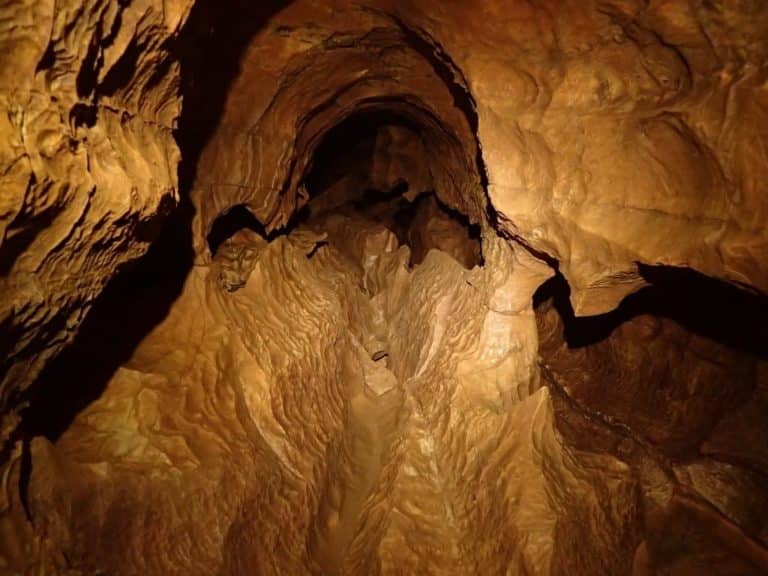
[(233, 220), (375, 165), (372, 165)]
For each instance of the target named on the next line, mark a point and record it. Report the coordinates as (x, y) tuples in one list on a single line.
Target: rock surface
[(353, 378), (88, 163)]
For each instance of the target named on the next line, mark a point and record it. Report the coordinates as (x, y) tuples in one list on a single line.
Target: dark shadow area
[(209, 49), (233, 220), (21, 232), (349, 147), (140, 295), (711, 308), (342, 176), (239, 217), (137, 298)]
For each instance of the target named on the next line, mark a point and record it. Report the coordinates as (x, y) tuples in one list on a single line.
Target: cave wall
[(303, 453), (611, 134), (673, 388), (626, 132), (89, 164), (255, 429), (570, 101)]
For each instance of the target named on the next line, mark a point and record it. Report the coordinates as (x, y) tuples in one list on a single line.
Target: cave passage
[(375, 164), (293, 287), (372, 166)]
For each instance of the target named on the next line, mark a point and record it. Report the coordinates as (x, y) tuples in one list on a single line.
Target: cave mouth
[(373, 166)]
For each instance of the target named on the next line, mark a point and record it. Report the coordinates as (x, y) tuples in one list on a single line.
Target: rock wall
[(88, 161), (315, 399)]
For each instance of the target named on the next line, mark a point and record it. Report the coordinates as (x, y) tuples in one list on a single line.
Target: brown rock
[(337, 355)]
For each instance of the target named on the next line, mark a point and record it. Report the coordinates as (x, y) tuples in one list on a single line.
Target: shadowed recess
[(712, 308)]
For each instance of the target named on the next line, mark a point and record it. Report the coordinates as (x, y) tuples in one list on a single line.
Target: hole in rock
[(375, 166), (229, 223)]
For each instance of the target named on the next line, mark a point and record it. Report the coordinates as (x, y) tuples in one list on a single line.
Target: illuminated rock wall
[(384, 366)]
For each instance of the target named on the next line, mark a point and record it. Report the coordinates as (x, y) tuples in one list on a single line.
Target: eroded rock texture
[(88, 162), (433, 288)]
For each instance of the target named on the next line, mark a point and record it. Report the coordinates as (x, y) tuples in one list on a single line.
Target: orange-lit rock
[(418, 288)]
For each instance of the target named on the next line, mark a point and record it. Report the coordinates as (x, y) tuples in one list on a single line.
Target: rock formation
[(384, 287)]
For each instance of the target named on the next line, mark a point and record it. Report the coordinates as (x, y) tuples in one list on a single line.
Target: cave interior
[(384, 287)]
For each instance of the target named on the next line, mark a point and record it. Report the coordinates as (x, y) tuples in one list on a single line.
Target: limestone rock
[(438, 289), (88, 162)]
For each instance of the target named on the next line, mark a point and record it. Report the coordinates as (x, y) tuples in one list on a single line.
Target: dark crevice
[(137, 298), (503, 228), (109, 39), (123, 70), (474, 231), (48, 59), (140, 295), (708, 307), (88, 74), (239, 217), (595, 417), (315, 248), (344, 165), (159, 73), (83, 115), (229, 223), (445, 69), (85, 83)]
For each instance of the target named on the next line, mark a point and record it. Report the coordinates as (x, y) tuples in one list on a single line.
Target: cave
[(294, 287)]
